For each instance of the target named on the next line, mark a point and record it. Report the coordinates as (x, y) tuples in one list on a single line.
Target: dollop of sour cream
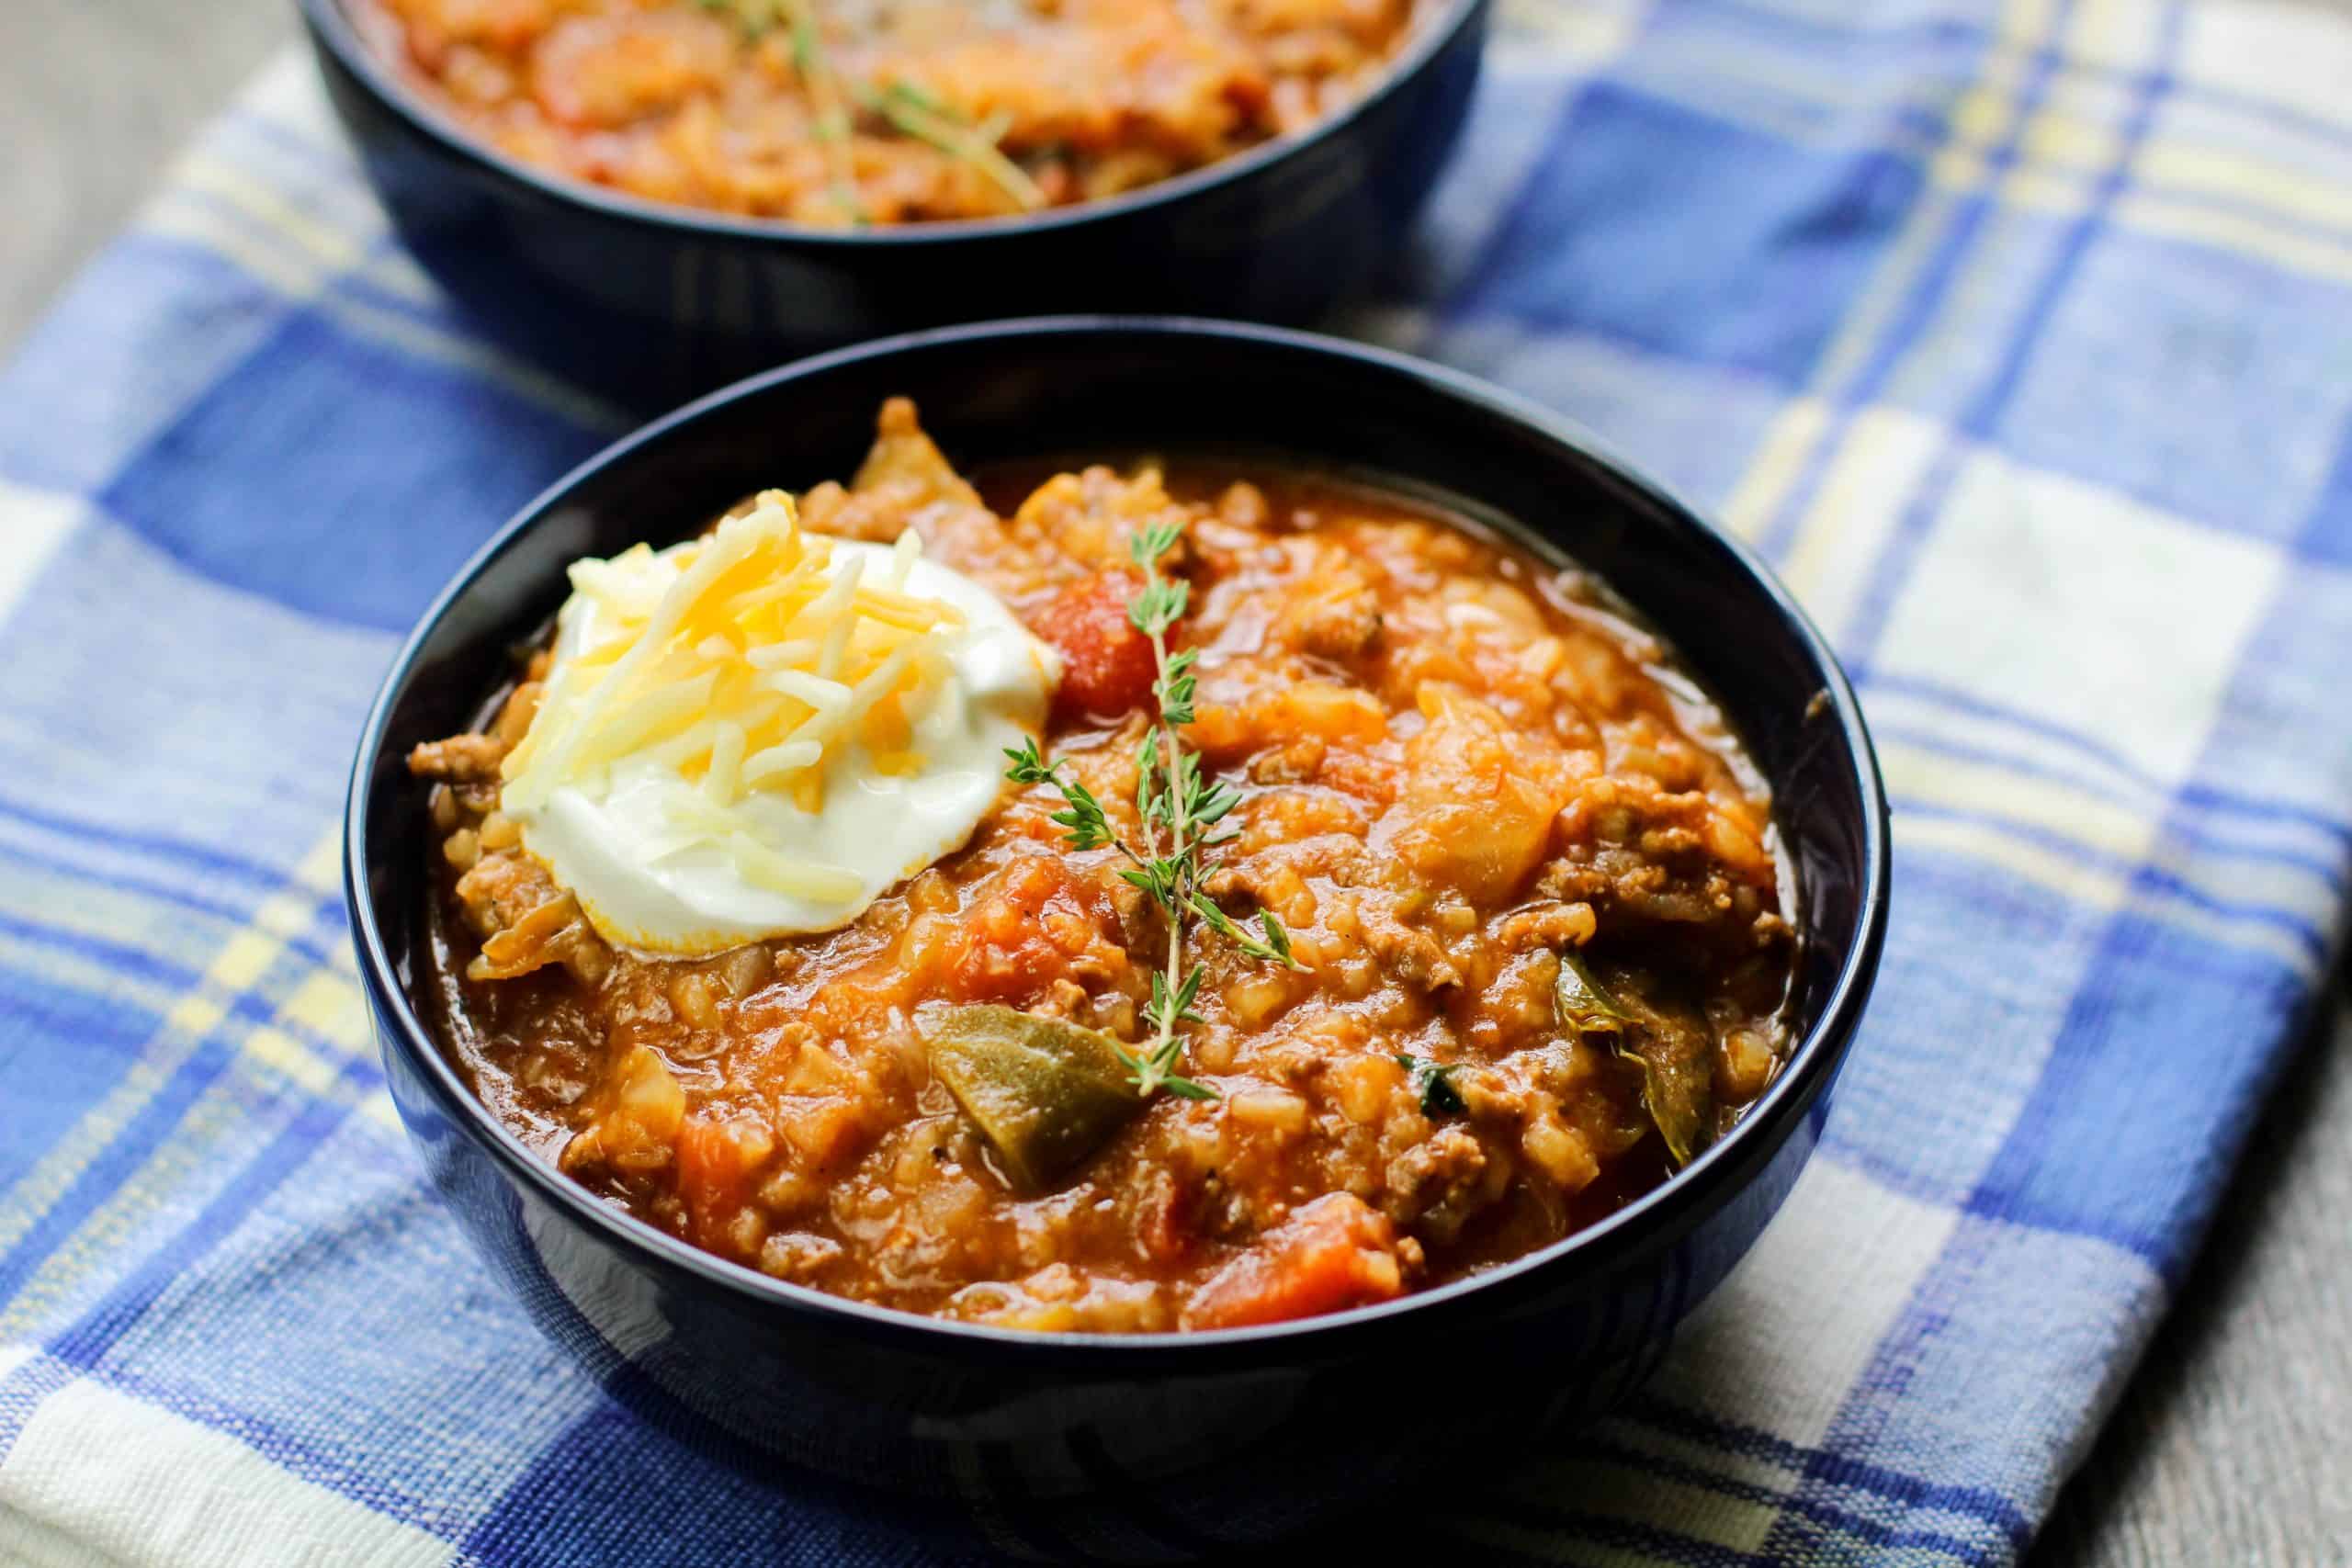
[(761, 731)]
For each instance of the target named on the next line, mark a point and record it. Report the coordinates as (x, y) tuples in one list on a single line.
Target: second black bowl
[(649, 303), (1170, 1443)]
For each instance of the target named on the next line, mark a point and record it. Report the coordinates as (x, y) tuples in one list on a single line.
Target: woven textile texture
[(2017, 332)]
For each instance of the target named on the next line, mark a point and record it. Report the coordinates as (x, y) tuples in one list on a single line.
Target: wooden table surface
[(2230, 1444)]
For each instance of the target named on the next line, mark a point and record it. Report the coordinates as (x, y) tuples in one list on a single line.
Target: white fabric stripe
[(2098, 887), (1922, 775), (2230, 829), (1805, 1311), (33, 523), (2273, 50), (99, 1478)]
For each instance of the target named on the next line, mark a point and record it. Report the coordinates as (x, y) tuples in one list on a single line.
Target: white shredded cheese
[(761, 731)]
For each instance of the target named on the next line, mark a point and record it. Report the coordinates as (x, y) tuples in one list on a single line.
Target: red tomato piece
[(1337, 1252), (715, 1175), (1022, 937), (1107, 667)]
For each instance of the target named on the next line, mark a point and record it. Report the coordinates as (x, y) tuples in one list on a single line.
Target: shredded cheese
[(760, 731), (746, 661)]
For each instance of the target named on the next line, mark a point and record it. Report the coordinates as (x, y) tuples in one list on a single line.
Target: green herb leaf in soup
[(1677, 1058), (1045, 1092), (1585, 1004), (1435, 1082)]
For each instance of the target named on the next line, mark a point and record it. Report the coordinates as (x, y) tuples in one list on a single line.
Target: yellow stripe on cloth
[(322, 1002), (1988, 107), (279, 260), (2096, 887), (212, 203), (1626, 1489), (1776, 465), (2237, 234)]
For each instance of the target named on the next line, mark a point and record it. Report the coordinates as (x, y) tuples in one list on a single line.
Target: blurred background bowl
[(1137, 1446), (649, 303)]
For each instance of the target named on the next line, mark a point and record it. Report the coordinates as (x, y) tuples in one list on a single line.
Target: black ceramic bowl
[(1218, 1437), (649, 303)]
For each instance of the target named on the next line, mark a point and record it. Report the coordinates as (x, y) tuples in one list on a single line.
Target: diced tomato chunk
[(1022, 937), (716, 1161), (1170, 1216), (1336, 1253), (1107, 667)]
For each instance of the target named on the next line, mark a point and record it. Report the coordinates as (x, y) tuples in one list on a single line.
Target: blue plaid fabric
[(2019, 333)]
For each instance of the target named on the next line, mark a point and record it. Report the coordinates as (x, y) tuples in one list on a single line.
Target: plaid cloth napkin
[(2018, 333)]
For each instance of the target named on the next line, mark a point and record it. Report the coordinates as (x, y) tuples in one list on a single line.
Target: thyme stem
[(1164, 1047), (906, 107), (916, 113), (826, 96), (1171, 795)]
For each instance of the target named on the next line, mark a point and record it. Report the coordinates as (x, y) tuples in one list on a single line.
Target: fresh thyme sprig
[(905, 106), (827, 97), (1434, 1080), (924, 118), (1180, 807)]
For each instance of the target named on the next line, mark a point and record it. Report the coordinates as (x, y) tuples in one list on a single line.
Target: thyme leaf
[(1435, 1081), (1177, 803), (918, 115), (910, 108)]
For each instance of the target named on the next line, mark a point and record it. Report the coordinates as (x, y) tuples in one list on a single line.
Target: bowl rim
[(332, 27), (1757, 1134)]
